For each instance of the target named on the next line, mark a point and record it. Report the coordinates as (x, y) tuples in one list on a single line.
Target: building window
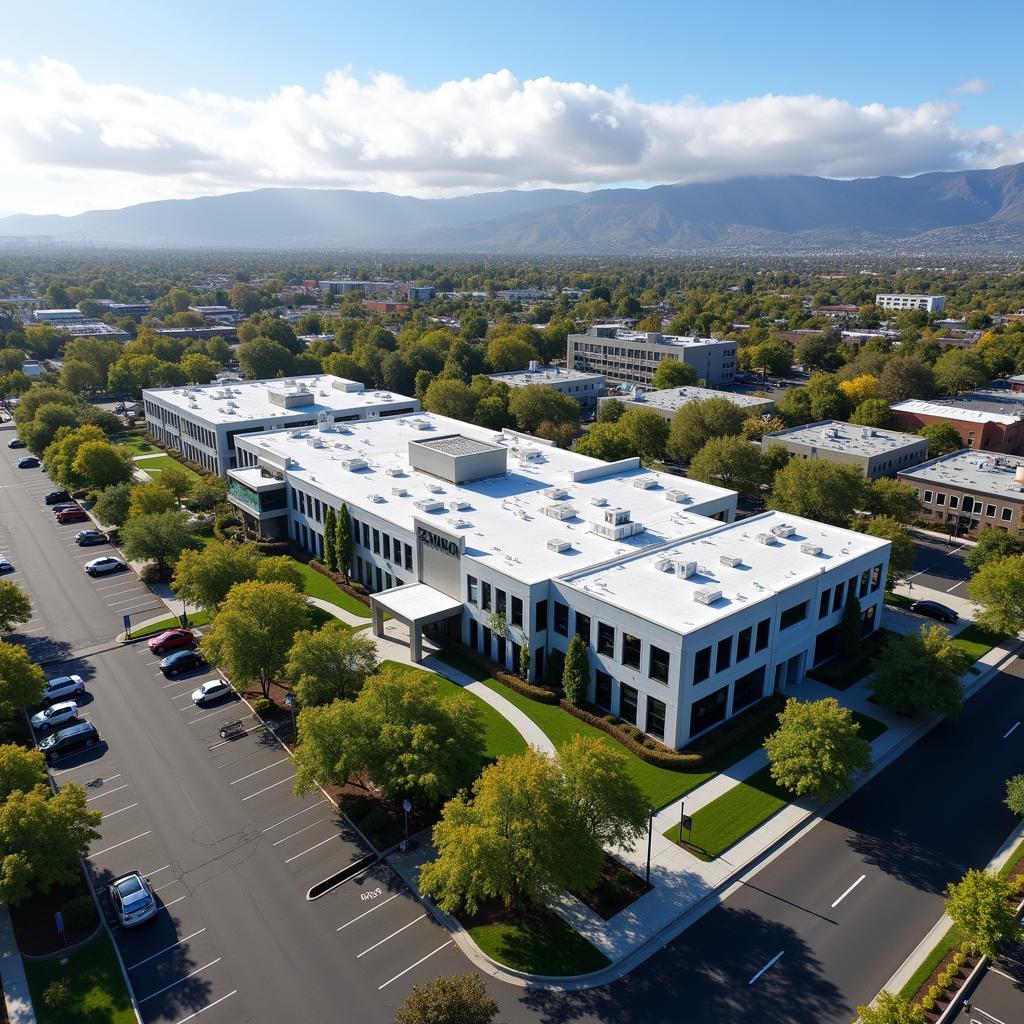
[(540, 616), (630, 651), (702, 665), (603, 690), (658, 662), (501, 651), (747, 689), (471, 589), (295, 500), (837, 598), (376, 542), (940, 498), (561, 619), (366, 535), (823, 603), (953, 501), (408, 557), (606, 639), (485, 596), (500, 602), (655, 718), (708, 711), (863, 583), (876, 577), (990, 511), (743, 644), (473, 633), (1006, 514), (627, 703), (723, 654), (387, 547), (791, 616), (761, 641), (517, 611), (583, 627)]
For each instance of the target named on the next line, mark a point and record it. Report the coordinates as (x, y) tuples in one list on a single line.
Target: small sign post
[(58, 919), (127, 620)]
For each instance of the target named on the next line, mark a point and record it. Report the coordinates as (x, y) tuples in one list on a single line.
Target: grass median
[(976, 641), (200, 618), (155, 465)]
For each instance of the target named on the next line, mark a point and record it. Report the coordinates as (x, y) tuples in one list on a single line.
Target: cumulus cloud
[(68, 144), (972, 86)]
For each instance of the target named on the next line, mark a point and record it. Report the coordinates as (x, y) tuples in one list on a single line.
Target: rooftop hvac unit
[(435, 488), (429, 505), (558, 545), (677, 496), (395, 471), (810, 549), (683, 569), (459, 524), (599, 502), (645, 483), (707, 595), (386, 398), (831, 432), (617, 531), (458, 505), (498, 438), (424, 425), (783, 530), (663, 564), (555, 493), (731, 560), (767, 538), (376, 498), (616, 516), (528, 454), (560, 511), (399, 492), (354, 465)]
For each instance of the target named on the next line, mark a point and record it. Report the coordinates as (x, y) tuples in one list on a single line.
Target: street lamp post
[(184, 614), (406, 808), (289, 703), (650, 834)]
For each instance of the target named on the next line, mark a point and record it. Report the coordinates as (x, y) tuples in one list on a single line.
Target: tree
[(731, 462), (253, 631), (459, 999), (959, 369), (873, 412), (755, 427), (646, 432), (794, 407), (818, 352), (112, 506), (21, 680), (450, 398), (943, 438), (398, 732), (849, 633), (331, 539), (673, 373), (576, 671), (827, 401), (15, 606), (207, 492), (344, 541), (891, 1008), (20, 769), (905, 377), (902, 551), (330, 663), (507, 352), (817, 748), (280, 569), (199, 368), (826, 491), (61, 453), (999, 588), (984, 906), (860, 388), (149, 499), (178, 480), (887, 496), (262, 358), (1015, 794), (696, 423), (535, 404), (769, 358), (157, 537), (920, 672), (100, 464), (604, 441), (993, 545), (39, 433), (204, 577), (609, 410)]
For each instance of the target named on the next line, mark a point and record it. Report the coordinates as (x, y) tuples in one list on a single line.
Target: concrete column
[(378, 620), (415, 641)]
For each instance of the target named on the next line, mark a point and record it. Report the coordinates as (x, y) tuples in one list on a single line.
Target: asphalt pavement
[(939, 565), (998, 996)]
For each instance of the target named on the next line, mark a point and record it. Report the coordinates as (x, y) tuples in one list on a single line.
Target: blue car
[(182, 662)]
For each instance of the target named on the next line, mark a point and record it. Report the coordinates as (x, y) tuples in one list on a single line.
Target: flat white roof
[(952, 412), (671, 399), (543, 375), (503, 522), (836, 436), (209, 402), (973, 471), (417, 601), (655, 337), (638, 585)]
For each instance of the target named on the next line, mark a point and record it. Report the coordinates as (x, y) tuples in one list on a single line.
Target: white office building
[(505, 542), (669, 401), (203, 421), (584, 387), (895, 301), (58, 316)]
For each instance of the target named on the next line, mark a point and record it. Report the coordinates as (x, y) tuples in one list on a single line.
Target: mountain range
[(979, 211)]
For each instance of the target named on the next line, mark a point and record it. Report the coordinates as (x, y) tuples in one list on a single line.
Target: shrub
[(79, 912), (263, 707), (934, 993), (57, 995), (927, 1003), (945, 979), (537, 693), (959, 959)]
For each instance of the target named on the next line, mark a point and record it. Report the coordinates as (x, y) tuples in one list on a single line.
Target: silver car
[(55, 716), (61, 687), (132, 898)]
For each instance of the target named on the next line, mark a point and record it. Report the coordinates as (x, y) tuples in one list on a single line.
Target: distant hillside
[(979, 211)]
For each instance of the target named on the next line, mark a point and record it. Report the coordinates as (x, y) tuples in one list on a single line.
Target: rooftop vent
[(599, 502), (810, 549), (424, 425), (731, 560), (458, 505), (677, 496), (558, 545), (395, 471), (377, 499), (766, 538), (399, 492), (645, 483), (435, 488), (560, 510), (663, 564), (707, 595), (684, 569), (555, 493), (527, 454), (354, 465), (783, 530), (429, 505)]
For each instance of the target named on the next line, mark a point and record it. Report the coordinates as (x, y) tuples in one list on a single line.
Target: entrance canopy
[(416, 605)]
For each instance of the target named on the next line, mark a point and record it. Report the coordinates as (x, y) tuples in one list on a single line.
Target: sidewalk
[(12, 972)]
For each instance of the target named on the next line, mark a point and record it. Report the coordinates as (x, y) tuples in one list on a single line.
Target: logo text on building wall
[(434, 540)]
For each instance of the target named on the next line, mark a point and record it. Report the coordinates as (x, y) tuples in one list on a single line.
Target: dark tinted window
[(630, 651), (702, 665), (561, 619), (658, 664), (605, 639)]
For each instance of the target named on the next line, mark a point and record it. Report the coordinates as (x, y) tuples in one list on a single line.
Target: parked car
[(934, 610), (212, 689), (6, 565), (64, 506), (56, 497), (62, 687), (69, 741), (181, 663), (101, 566), (71, 515), (15, 442), (132, 898), (171, 640), (28, 462), (55, 716), (86, 538)]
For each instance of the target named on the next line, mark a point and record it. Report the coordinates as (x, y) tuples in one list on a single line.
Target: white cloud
[(972, 86), (68, 144)]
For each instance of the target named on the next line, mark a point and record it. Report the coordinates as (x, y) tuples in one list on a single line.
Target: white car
[(212, 689), (5, 564), (55, 715), (101, 566), (133, 899), (61, 687)]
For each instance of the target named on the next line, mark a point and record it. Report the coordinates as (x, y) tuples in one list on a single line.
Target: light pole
[(650, 834), (289, 703), (406, 808), (184, 614)]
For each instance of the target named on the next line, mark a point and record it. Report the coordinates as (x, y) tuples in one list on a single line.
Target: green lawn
[(898, 600), (951, 940), (155, 466), (136, 444), (171, 622), (543, 944), (92, 971), (660, 785), (318, 585), (975, 641)]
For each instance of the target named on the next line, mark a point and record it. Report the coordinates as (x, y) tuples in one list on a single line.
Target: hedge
[(513, 682)]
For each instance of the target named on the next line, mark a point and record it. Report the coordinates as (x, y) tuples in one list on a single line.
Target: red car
[(72, 515), (172, 640)]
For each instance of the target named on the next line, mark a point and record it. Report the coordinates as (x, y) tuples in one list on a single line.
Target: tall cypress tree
[(343, 541), (331, 540)]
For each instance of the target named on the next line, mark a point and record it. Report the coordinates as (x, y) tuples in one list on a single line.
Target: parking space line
[(110, 814), (258, 770), (149, 874), (341, 928), (280, 782), (208, 1006), (116, 846), (166, 949), (391, 936), (160, 888), (300, 831), (411, 966), (116, 789), (305, 810), (174, 984), (178, 900)]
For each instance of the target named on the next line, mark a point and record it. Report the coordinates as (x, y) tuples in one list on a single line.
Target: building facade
[(584, 387), (984, 426), (670, 400), (897, 302)]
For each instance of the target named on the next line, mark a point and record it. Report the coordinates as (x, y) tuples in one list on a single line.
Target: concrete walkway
[(12, 972)]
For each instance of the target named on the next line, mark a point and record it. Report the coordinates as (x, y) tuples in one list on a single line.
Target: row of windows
[(481, 594), (381, 543), (629, 701), (969, 505), (201, 434), (375, 578), (832, 599), (727, 653)]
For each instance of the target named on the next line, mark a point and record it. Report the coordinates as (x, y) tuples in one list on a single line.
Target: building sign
[(435, 540)]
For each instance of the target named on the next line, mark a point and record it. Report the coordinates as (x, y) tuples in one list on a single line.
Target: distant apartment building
[(384, 306), (967, 491), (584, 387), (95, 329), (522, 294), (874, 451), (419, 292), (136, 310), (631, 357), (670, 400), (991, 421), (895, 301), (218, 314), (58, 316), (345, 287)]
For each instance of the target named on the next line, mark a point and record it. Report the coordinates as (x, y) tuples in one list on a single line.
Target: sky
[(105, 104)]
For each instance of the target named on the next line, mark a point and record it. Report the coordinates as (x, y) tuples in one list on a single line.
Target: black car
[(182, 662), (87, 538), (69, 741), (15, 442), (56, 497), (28, 462), (934, 610)]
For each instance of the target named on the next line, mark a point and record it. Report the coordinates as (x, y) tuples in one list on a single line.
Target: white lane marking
[(391, 936), (166, 949), (110, 814), (224, 743), (1009, 732), (160, 888), (203, 718), (176, 682), (208, 1006), (411, 966), (280, 782), (1003, 974), (292, 835), (370, 911), (149, 874), (112, 586), (312, 848), (959, 583), (173, 984), (116, 789), (770, 963), (305, 810), (258, 770), (117, 846), (178, 900), (848, 891)]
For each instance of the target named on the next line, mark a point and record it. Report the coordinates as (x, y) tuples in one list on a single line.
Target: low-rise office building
[(969, 490), (584, 387), (631, 357), (58, 316), (507, 544), (203, 421), (985, 424), (669, 401), (896, 301), (874, 451)]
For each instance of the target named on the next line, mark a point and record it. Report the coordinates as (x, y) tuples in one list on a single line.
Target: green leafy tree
[(20, 769), (646, 433), (992, 546), (673, 373), (177, 480), (508, 352), (771, 358), (524, 661), (331, 539), (207, 492), (902, 552), (252, 633), (873, 412), (826, 491), (261, 359), (889, 497), (159, 537), (344, 541), (100, 464), (330, 663), (755, 427), (576, 672), (604, 441), (61, 453), (890, 1008), (817, 748), (998, 587), (610, 410), (849, 634), (204, 577), (450, 398), (15, 606), (42, 429), (21, 680), (149, 499), (113, 505), (280, 569), (959, 369), (905, 377), (696, 423), (1015, 794), (920, 672), (537, 403), (731, 462), (458, 999), (398, 732), (199, 368), (983, 905), (943, 438)]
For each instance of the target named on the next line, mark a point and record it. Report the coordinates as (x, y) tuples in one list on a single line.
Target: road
[(939, 566)]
